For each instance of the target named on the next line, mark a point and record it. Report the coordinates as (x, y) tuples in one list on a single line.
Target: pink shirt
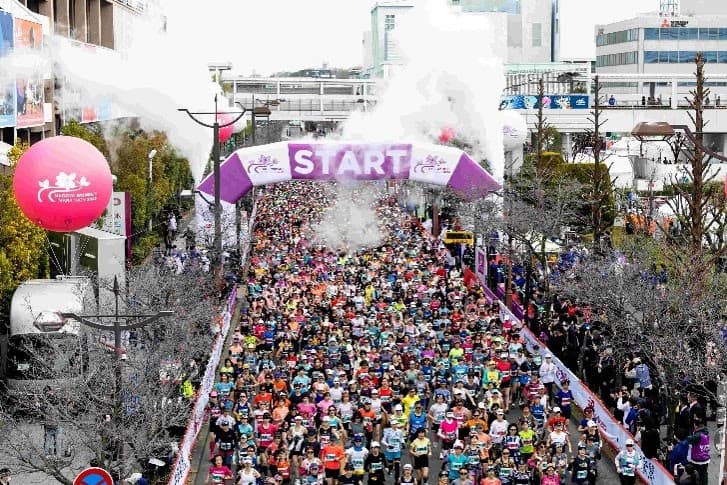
[(551, 480)]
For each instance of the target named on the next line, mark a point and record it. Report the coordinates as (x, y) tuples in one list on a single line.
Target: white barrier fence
[(612, 431), (183, 463), (184, 458)]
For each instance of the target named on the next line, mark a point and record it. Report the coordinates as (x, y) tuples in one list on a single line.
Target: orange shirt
[(332, 456)]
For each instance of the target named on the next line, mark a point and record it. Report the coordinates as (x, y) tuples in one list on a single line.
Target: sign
[(7, 83), (550, 101), (117, 218), (93, 476), (29, 90), (280, 162), (666, 23), (458, 237), (481, 264)]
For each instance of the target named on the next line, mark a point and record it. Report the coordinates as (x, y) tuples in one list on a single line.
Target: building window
[(683, 57), (723, 34), (619, 37), (389, 22), (620, 59), (708, 33), (711, 57), (651, 57), (651, 34), (537, 34)]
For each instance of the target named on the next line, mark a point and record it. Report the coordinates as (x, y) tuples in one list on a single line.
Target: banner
[(280, 162), (199, 411), (29, 92), (481, 265), (184, 463), (551, 101), (651, 472), (7, 83)]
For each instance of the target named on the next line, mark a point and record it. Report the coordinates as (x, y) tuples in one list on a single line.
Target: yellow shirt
[(409, 401)]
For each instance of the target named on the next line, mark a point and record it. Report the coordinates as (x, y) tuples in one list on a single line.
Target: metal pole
[(118, 401), (151, 194), (253, 120), (218, 205)]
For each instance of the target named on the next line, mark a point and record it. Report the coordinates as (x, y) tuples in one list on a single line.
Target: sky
[(265, 36)]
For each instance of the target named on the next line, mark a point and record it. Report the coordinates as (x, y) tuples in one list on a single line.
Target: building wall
[(525, 28), (662, 45)]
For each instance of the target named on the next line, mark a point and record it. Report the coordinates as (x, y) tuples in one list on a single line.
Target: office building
[(33, 110), (529, 27), (661, 44)]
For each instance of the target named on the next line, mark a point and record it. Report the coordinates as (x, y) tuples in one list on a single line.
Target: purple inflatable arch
[(280, 162)]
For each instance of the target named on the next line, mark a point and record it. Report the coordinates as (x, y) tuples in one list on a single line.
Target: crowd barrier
[(613, 432), (183, 464)]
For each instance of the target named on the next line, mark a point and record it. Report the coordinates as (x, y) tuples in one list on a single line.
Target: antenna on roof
[(669, 7)]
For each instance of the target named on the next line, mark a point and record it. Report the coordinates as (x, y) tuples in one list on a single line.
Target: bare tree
[(675, 330), (593, 143), (82, 406), (700, 222)]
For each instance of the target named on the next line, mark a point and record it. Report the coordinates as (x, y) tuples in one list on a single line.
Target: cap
[(407, 466), (298, 418), (548, 356), (450, 414), (213, 394), (375, 444), (481, 405), (458, 444), (398, 407), (556, 409), (629, 442), (500, 412), (326, 419)]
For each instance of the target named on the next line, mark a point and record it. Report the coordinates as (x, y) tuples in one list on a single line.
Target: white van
[(44, 347)]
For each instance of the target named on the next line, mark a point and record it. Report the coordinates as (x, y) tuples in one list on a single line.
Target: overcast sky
[(274, 35)]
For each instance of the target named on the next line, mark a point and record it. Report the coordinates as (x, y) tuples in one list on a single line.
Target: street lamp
[(117, 328), (663, 131), (216, 168), (151, 156)]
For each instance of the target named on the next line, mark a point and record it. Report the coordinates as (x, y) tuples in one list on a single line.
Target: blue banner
[(555, 101), (7, 83)]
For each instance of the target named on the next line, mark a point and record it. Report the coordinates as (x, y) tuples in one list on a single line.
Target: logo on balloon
[(432, 164), (65, 189), (62, 183)]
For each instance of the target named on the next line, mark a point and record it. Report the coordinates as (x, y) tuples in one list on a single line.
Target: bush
[(143, 247)]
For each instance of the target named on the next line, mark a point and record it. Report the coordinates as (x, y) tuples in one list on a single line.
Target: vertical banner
[(29, 92), (7, 80), (481, 265)]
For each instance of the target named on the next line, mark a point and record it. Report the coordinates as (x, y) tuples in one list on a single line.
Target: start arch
[(279, 162)]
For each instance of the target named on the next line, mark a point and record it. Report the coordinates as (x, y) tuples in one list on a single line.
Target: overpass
[(331, 100)]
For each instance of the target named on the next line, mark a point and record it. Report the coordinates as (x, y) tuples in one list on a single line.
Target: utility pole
[(216, 168), (118, 327)]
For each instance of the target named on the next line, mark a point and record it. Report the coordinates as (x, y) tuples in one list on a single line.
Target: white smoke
[(351, 222), (452, 76)]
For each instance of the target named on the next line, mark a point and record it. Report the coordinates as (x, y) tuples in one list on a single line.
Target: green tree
[(23, 254), (92, 133)]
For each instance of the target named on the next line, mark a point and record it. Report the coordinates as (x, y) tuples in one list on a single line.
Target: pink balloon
[(225, 131), (448, 134), (62, 184)]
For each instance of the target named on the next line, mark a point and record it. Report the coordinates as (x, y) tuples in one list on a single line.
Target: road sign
[(93, 476)]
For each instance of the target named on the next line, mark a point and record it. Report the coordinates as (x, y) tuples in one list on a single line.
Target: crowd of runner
[(380, 365)]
